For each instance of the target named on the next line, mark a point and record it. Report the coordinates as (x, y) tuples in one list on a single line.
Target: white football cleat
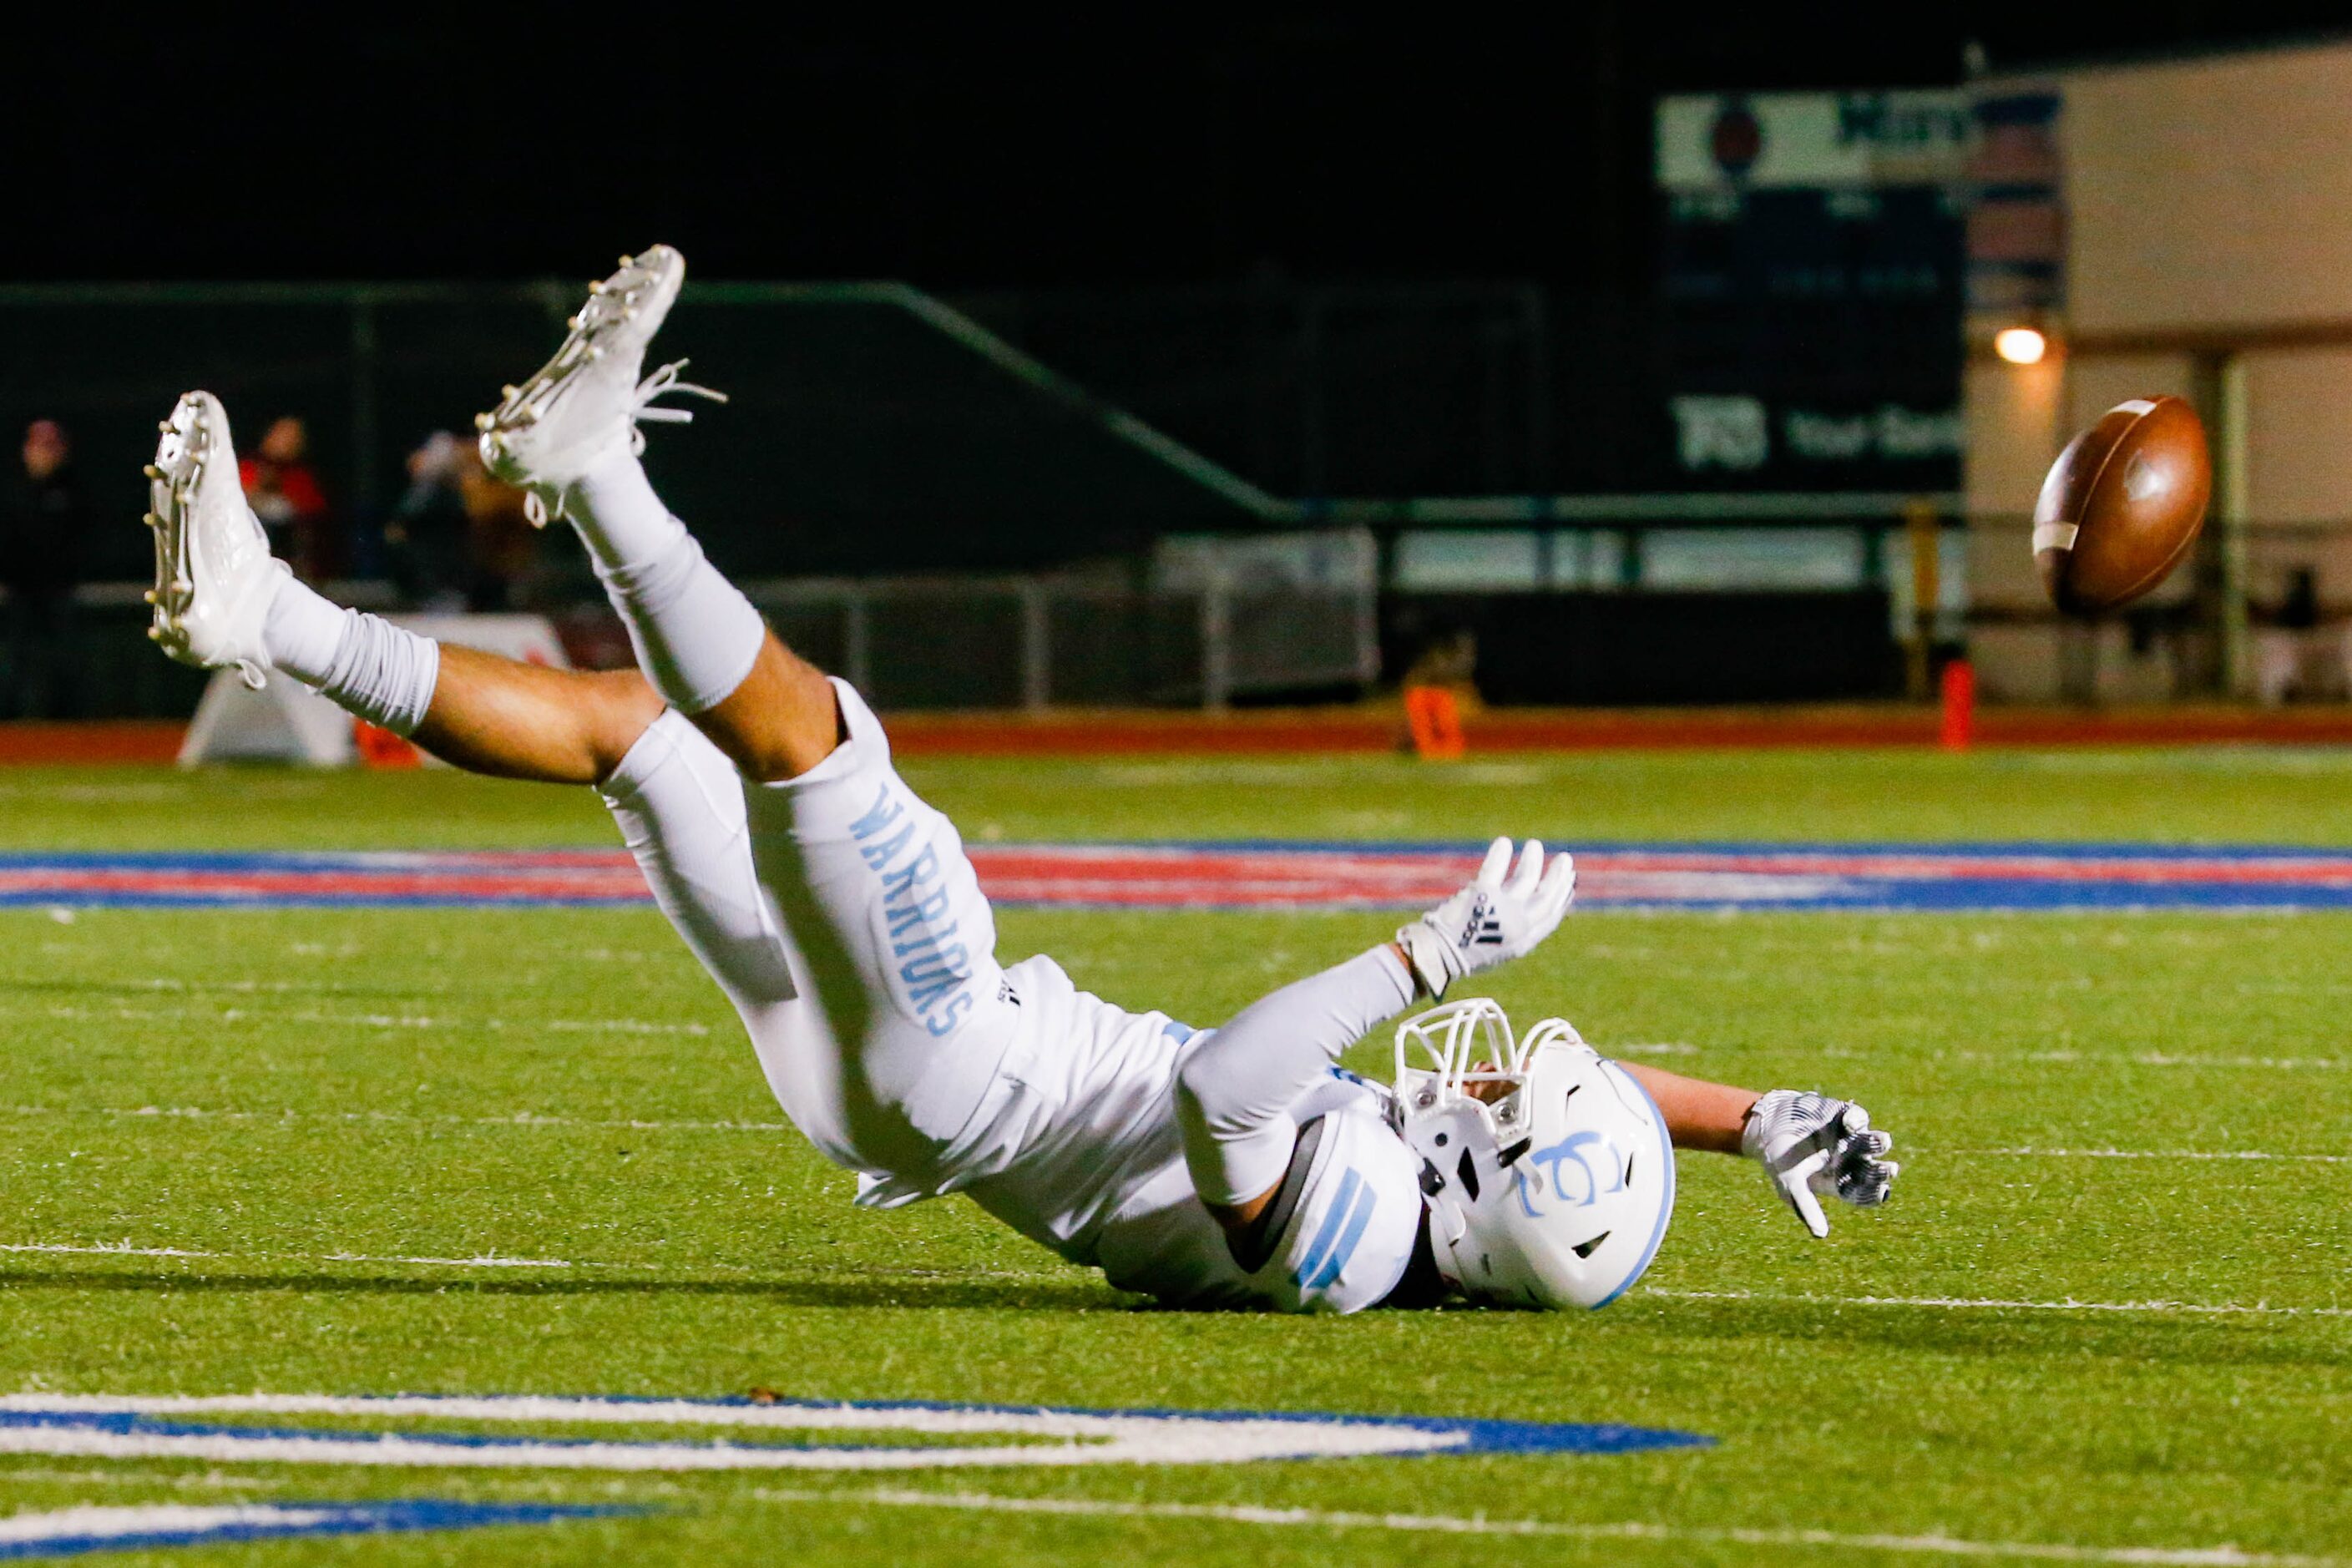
[(550, 431), (214, 574)]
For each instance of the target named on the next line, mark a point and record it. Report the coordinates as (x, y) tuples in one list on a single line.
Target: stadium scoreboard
[(1813, 279)]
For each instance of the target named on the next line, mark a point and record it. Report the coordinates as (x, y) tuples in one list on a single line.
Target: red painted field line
[(34, 742), (1357, 730)]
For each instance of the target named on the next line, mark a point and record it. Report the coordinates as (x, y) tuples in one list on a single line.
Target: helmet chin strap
[(1446, 1226)]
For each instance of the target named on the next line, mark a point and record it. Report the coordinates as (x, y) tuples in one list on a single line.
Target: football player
[(1236, 1167)]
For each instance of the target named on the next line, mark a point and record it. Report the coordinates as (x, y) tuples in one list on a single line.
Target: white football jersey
[(841, 916)]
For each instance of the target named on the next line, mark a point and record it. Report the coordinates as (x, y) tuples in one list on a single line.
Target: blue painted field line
[(132, 1528)]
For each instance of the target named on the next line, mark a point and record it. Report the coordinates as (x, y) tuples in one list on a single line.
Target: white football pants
[(839, 914)]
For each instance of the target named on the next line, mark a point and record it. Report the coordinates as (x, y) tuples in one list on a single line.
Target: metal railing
[(1212, 620), (1207, 621)]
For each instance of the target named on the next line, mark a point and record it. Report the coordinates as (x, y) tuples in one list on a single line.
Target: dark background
[(1340, 254), (996, 148)]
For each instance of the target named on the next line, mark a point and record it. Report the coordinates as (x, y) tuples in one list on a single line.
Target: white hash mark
[(1993, 1304), (1449, 1524)]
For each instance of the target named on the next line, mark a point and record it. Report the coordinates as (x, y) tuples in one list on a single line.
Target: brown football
[(2121, 505)]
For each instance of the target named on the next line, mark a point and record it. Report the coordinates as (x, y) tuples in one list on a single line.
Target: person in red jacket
[(284, 493)]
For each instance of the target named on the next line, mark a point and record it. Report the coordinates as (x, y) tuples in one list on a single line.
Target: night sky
[(1308, 144)]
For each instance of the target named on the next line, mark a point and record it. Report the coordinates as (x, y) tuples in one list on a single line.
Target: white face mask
[(1548, 1172)]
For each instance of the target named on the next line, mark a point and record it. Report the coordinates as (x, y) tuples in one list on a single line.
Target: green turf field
[(305, 1106)]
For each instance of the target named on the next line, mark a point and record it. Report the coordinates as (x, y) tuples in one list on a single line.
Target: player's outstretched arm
[(1808, 1144), (1236, 1092)]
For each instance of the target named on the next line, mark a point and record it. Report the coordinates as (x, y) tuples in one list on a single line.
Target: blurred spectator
[(2301, 609), (428, 535), (42, 520), (1449, 660), (285, 494), (502, 547)]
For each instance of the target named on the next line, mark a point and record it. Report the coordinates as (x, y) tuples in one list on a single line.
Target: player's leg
[(568, 435), (679, 805), (222, 600), (697, 636), (908, 1018), (512, 720)]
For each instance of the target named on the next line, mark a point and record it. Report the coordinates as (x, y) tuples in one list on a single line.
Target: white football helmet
[(1551, 1189)]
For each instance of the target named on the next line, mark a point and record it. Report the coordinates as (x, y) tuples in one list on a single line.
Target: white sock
[(695, 634), (620, 519), (371, 666), (302, 631)]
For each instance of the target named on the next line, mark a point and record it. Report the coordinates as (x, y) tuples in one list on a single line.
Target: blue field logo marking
[(786, 1435), (77, 1532)]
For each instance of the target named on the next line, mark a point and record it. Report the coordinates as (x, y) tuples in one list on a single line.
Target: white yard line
[(687, 1270), (394, 1118), (100, 1523), (125, 1249), (1993, 1304), (1456, 1524), (1961, 1303), (118, 1013), (204, 1481), (2149, 1154), (2099, 1059)]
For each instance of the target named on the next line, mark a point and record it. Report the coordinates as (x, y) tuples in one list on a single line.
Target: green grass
[(308, 1099), (2220, 794)]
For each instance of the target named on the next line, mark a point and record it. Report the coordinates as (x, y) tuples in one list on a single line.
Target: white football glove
[(1501, 915), (1809, 1143)]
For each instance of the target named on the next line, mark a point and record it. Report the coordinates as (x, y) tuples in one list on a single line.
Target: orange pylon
[(380, 748), (1435, 720)]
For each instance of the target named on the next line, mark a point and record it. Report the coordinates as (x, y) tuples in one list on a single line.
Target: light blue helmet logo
[(1577, 1149)]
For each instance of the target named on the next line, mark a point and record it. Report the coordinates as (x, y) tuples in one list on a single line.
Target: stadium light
[(2020, 345)]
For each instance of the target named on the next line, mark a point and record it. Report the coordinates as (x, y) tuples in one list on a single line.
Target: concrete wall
[(2209, 191)]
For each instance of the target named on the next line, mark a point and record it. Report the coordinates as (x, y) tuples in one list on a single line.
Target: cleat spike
[(483, 422), (151, 471), (150, 597), (151, 520), (505, 391), (573, 323), (596, 286), (628, 261), (154, 633)]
